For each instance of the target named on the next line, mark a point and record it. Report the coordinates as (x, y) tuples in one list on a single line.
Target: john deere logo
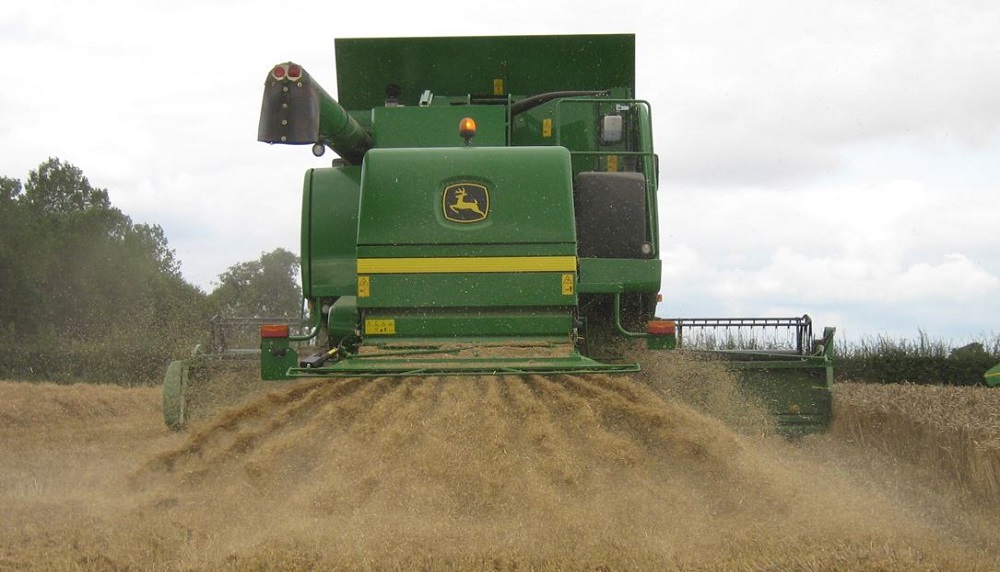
[(466, 202)]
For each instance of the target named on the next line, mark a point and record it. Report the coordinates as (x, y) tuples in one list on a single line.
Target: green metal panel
[(437, 126), (524, 65), (329, 231), (462, 325), (467, 290), (471, 250), (508, 269), (611, 275), (529, 196), (797, 391), (276, 357)]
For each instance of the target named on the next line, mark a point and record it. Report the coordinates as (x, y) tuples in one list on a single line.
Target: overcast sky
[(840, 159)]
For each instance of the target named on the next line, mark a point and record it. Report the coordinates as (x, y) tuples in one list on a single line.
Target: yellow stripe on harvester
[(467, 264)]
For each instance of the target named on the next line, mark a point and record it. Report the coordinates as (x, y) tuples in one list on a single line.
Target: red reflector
[(274, 331), (278, 72), (294, 71), (661, 327)]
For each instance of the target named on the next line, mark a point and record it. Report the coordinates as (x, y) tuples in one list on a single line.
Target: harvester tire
[(175, 385)]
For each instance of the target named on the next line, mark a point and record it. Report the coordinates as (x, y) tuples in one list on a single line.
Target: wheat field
[(671, 469), (955, 431)]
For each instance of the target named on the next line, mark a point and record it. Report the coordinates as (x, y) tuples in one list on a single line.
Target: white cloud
[(956, 278), (772, 91), (900, 252), (796, 276)]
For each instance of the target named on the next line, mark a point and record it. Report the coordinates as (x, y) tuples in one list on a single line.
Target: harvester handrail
[(557, 123), (645, 155)]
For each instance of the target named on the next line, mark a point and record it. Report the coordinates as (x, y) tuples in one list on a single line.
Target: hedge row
[(921, 361)]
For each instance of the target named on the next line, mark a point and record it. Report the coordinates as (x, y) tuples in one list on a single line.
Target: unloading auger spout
[(298, 111)]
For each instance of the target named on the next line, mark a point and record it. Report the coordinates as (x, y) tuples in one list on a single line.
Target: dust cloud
[(563, 472)]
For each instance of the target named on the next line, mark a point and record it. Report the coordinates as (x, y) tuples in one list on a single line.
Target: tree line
[(87, 292)]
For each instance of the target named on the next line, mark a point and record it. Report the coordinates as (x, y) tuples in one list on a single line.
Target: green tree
[(15, 242), (263, 288), (79, 278), (61, 189), (82, 279), (10, 189)]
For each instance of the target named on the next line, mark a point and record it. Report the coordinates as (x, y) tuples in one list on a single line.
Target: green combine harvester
[(493, 210)]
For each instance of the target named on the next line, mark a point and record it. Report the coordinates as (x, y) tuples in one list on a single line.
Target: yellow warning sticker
[(547, 127), (380, 327), (612, 163), (498, 86), (567, 284), (364, 286)]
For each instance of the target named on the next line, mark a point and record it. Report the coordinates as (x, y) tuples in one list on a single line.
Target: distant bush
[(921, 361)]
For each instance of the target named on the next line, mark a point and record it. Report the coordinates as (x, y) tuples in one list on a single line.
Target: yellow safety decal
[(364, 286), (465, 264), (612, 163), (380, 327), (498, 86), (567, 284), (547, 127)]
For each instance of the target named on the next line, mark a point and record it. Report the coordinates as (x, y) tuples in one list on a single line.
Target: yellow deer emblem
[(466, 202)]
